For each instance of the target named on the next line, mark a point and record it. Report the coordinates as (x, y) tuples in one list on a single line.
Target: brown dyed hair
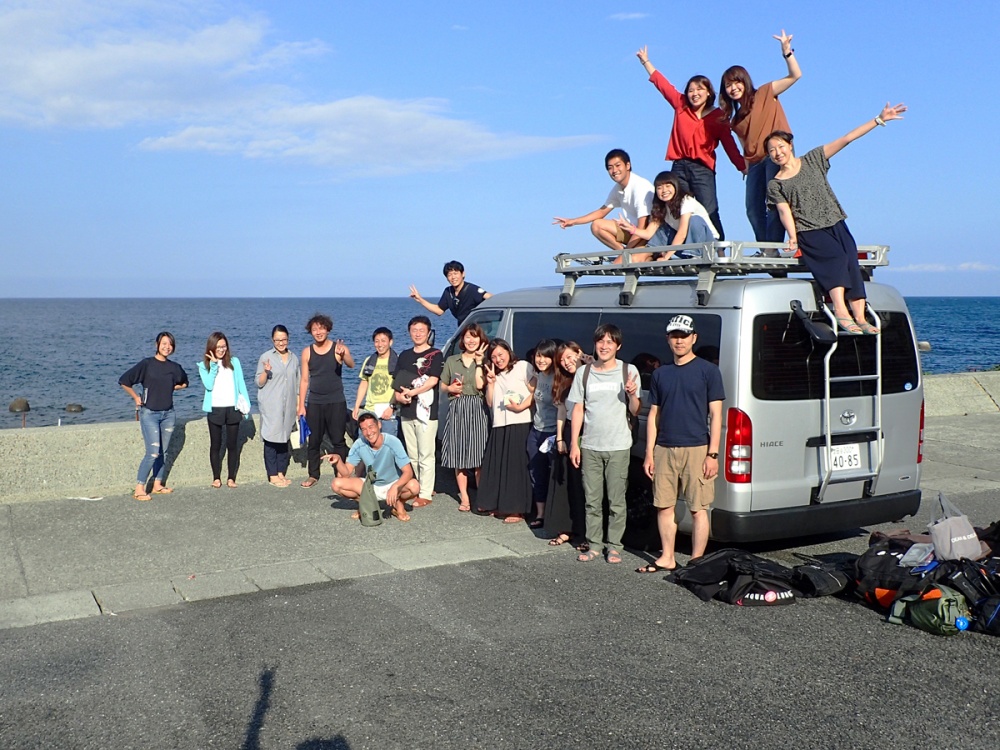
[(476, 330), (563, 380), (213, 341), (501, 344), (732, 109)]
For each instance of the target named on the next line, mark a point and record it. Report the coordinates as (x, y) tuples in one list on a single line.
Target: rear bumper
[(784, 523)]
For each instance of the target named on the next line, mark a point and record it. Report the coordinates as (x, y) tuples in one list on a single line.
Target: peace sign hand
[(786, 42)]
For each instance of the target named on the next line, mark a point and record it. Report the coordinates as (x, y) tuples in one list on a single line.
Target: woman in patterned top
[(814, 220)]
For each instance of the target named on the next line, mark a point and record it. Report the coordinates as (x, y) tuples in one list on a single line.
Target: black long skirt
[(831, 254), (506, 486)]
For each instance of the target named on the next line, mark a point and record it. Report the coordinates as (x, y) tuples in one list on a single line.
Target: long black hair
[(660, 208)]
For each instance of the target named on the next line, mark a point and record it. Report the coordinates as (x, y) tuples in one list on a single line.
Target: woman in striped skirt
[(468, 422)]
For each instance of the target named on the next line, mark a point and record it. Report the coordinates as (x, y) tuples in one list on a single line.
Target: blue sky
[(322, 148)]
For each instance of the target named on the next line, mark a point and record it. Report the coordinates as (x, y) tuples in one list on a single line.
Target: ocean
[(61, 351)]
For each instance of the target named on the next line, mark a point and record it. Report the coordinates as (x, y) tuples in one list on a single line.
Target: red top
[(694, 137)]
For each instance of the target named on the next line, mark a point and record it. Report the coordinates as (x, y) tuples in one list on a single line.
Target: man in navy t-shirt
[(682, 440), (460, 297)]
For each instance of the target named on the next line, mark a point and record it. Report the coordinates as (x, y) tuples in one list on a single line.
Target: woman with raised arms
[(753, 114), (699, 127), (815, 222)]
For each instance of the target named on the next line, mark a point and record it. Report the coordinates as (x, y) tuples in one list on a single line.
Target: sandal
[(614, 557), (559, 540), (400, 514), (849, 326), (162, 490), (310, 482), (421, 502), (868, 328), (465, 508), (590, 554), (216, 483), (141, 496), (513, 518), (536, 524), (231, 484)]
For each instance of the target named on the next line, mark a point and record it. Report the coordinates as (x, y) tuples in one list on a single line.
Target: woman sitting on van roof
[(814, 220), (676, 218)]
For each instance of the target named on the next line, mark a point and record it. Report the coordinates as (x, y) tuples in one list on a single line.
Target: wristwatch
[(713, 455)]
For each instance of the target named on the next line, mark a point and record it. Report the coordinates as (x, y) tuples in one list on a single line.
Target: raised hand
[(642, 54), (267, 365), (892, 113), (414, 293), (786, 42)]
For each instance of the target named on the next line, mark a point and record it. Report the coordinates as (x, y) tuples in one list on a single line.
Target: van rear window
[(788, 364)]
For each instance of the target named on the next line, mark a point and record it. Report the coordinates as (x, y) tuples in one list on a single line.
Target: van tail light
[(739, 447), (920, 439)]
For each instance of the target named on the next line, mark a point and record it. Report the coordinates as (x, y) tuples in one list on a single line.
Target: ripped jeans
[(157, 428)]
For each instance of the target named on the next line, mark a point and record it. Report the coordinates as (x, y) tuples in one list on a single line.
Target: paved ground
[(393, 646), (73, 558)]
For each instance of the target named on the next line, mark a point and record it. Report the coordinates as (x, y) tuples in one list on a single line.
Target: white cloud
[(628, 16), (943, 268), (217, 83)]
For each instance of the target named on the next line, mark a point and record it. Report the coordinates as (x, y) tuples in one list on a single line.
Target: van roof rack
[(720, 258)]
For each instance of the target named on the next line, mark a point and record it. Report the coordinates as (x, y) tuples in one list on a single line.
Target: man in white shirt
[(632, 194)]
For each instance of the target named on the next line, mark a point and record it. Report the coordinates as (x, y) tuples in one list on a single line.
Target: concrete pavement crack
[(16, 551)]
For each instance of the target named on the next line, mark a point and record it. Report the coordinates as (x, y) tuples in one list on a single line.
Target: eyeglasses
[(280, 341)]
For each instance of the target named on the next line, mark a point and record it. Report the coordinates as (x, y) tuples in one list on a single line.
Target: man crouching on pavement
[(384, 454)]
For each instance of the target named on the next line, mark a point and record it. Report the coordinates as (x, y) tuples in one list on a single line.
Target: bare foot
[(217, 483), (231, 483)]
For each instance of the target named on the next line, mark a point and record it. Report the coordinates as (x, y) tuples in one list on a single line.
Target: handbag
[(952, 534)]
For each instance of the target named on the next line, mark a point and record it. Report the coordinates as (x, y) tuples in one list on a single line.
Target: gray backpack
[(939, 610), (368, 507)]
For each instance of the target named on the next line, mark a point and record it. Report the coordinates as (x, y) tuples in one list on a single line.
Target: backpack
[(939, 610), (880, 579), (972, 580), (631, 419), (988, 617)]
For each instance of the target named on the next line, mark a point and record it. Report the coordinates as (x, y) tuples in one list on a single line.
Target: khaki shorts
[(622, 236), (679, 474)]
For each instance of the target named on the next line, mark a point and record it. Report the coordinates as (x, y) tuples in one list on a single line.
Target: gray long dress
[(278, 399)]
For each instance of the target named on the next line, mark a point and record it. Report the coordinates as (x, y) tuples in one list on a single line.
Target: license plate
[(845, 457)]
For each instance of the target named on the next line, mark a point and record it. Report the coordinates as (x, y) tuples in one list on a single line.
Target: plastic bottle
[(962, 623)]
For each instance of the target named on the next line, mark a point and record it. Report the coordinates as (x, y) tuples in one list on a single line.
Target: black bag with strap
[(817, 578), (737, 577)]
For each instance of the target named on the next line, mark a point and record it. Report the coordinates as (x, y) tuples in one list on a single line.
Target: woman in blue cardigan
[(226, 400)]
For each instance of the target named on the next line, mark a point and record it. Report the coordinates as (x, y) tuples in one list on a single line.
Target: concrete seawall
[(44, 463)]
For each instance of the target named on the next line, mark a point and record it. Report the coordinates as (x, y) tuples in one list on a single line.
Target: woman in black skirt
[(506, 487), (814, 220), (565, 512), (464, 440)]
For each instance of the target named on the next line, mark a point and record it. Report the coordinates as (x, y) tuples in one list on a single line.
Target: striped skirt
[(465, 435)]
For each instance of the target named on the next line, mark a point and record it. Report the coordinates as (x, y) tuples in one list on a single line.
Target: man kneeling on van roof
[(632, 194)]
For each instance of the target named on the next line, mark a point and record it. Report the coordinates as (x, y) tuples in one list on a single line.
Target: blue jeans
[(698, 231), (700, 181), (157, 428), (539, 464), (766, 223), (390, 427)]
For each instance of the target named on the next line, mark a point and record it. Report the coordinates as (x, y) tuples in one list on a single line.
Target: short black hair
[(383, 330), (617, 153), (453, 265), (165, 335), (608, 329), (419, 319), (325, 321)]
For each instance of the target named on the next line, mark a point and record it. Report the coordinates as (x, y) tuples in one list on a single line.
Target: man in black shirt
[(459, 297)]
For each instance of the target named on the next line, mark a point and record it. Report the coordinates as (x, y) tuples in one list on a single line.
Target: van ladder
[(723, 258), (875, 461)]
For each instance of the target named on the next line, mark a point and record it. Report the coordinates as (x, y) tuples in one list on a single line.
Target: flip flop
[(536, 524), (310, 482), (142, 497), (849, 326), (163, 490), (400, 515), (654, 568), (465, 508), (868, 328), (513, 519), (420, 502)]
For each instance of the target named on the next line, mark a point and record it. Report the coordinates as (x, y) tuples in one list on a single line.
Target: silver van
[(822, 432)]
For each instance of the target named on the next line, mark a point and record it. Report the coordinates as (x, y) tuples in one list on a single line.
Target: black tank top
[(325, 384)]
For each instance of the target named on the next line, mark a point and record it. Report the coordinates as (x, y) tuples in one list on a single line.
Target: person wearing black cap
[(683, 431)]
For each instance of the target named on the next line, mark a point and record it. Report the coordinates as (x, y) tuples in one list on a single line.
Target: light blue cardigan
[(208, 380)]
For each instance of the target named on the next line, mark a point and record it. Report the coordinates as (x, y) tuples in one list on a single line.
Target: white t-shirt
[(690, 206), (224, 388), (635, 199)]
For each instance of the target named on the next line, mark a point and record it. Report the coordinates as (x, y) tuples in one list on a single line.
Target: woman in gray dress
[(277, 397)]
